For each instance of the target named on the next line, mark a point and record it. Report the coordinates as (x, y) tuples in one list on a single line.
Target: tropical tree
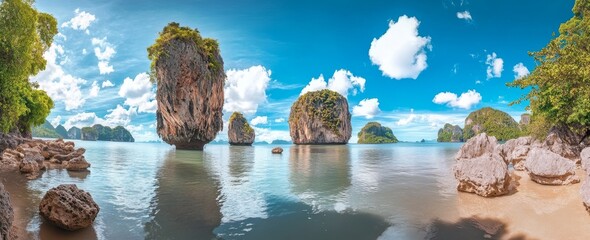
[(560, 84), (25, 34)]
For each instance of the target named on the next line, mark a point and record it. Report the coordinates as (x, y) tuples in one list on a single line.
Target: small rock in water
[(68, 207), (277, 150)]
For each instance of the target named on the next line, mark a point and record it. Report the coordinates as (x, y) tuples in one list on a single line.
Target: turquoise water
[(152, 191)]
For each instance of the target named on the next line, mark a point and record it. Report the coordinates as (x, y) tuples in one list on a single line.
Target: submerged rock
[(548, 168), (477, 146), (277, 150), (486, 175), (6, 215), (373, 133), (239, 131), (320, 117), (450, 133), (190, 76), (68, 207)]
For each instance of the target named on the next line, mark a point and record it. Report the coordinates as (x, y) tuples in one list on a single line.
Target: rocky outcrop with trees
[(68, 207), (97, 133), (239, 131), (190, 76), (493, 122), (450, 133), (320, 117), (373, 133)]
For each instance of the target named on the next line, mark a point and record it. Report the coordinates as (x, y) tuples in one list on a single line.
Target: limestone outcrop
[(68, 207), (375, 133), (548, 168), (450, 133), (480, 169), (320, 117), (493, 122), (6, 215), (585, 156), (190, 76), (33, 156), (515, 151), (585, 193), (239, 131)]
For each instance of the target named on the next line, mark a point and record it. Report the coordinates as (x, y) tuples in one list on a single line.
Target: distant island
[(487, 120), (95, 133), (374, 133)]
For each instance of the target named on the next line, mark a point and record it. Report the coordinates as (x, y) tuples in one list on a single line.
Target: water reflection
[(185, 203), (319, 170), (241, 161)]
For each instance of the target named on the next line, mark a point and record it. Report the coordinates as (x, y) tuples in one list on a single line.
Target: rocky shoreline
[(484, 166)]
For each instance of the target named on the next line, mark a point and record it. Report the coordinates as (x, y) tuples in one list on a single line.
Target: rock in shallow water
[(486, 175), (68, 207), (549, 168), (239, 131), (277, 150), (6, 215), (320, 117)]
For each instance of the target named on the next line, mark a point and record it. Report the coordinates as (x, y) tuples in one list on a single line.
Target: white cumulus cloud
[(81, 21), (139, 92), (103, 51), (401, 52), (342, 82), (465, 15), (520, 71), (259, 120), (495, 66), (367, 108), (465, 101), (94, 89), (245, 89), (279, 120), (58, 84), (107, 83)]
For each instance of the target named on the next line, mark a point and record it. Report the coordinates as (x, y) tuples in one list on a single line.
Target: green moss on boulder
[(493, 122), (374, 133)]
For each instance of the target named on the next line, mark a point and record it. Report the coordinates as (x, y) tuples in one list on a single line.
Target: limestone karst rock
[(74, 133), (239, 131), (374, 132), (450, 133), (320, 117), (68, 207), (585, 193), (6, 214), (477, 146), (493, 122), (190, 80), (515, 151), (548, 168)]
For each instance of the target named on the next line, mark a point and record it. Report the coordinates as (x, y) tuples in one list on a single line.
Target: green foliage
[(373, 133), (236, 116), (45, 130), (493, 122), (120, 134), (173, 31), (104, 133), (560, 84), (319, 105), (25, 34), (450, 133)]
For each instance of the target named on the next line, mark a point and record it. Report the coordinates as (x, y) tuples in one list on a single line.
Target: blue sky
[(411, 65)]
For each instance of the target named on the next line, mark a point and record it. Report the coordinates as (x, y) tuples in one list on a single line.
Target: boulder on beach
[(515, 151), (548, 168), (375, 133), (239, 131), (68, 207), (480, 169), (477, 146), (320, 117), (563, 141), (190, 80), (486, 175), (277, 150), (6, 214), (585, 193), (585, 156)]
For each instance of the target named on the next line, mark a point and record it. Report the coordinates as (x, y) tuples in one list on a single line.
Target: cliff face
[(493, 122), (74, 133), (450, 133), (373, 133), (239, 131), (320, 117), (120, 134), (190, 76), (89, 134)]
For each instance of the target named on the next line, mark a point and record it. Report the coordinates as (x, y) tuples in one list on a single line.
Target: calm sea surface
[(152, 191)]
